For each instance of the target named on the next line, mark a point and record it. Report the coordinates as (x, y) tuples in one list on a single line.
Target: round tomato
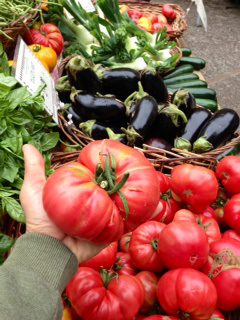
[(144, 246), (227, 282), (232, 213), (187, 293), (159, 317), (230, 234), (187, 183), (184, 215), (48, 35), (90, 199), (141, 189), (183, 244), (166, 210), (104, 260), (217, 315), (228, 172), (210, 226), (125, 241), (225, 247), (123, 264), (164, 182), (98, 296), (149, 281)]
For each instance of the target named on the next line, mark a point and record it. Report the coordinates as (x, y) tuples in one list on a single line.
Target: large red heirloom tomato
[(196, 186), (144, 246), (105, 259), (123, 264), (48, 35), (228, 172), (183, 244), (97, 296), (110, 184), (187, 293), (232, 212), (159, 317)]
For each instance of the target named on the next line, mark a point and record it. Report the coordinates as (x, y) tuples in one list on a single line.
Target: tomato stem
[(107, 277), (155, 244)]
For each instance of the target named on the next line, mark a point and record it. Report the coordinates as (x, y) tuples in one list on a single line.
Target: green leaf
[(13, 143), (6, 82), (49, 141), (17, 97), (6, 243), (20, 118), (14, 209), (3, 125), (4, 192)]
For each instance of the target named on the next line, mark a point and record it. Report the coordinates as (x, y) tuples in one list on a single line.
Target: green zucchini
[(202, 93), (182, 78), (186, 68), (197, 63), (189, 84), (207, 104), (186, 52)]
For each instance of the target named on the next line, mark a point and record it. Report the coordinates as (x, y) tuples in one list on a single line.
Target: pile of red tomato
[(152, 22), (182, 264)]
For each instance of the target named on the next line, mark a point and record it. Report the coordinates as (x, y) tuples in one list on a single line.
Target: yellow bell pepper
[(145, 24)]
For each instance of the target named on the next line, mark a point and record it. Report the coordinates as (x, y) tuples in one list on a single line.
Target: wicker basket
[(15, 29), (179, 25), (163, 160)]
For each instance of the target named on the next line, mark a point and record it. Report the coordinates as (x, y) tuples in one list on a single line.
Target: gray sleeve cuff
[(46, 256)]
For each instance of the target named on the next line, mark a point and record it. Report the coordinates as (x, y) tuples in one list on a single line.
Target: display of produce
[(139, 161)]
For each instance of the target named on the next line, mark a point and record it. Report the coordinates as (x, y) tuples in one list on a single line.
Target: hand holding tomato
[(37, 220)]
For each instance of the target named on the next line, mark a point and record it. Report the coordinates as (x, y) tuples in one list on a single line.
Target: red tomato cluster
[(152, 22), (184, 265)]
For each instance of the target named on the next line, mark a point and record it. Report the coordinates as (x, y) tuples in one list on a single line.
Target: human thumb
[(34, 165)]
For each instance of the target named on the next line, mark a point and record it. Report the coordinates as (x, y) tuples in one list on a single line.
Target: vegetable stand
[(141, 126)]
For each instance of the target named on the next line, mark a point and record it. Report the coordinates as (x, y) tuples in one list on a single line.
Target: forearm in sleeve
[(33, 278)]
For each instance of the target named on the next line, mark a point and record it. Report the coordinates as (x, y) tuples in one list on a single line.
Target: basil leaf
[(6, 82), (13, 208), (8, 172), (6, 243), (49, 141)]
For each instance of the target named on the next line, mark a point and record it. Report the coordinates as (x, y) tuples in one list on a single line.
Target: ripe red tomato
[(228, 172), (98, 296), (82, 199), (185, 291), (167, 206), (183, 244), (157, 26), (141, 189), (48, 35), (227, 282), (210, 226), (226, 247), (135, 13), (149, 281), (187, 183), (166, 210), (230, 234), (125, 241), (152, 17), (217, 315), (104, 260), (144, 246), (184, 215), (159, 317), (123, 264), (232, 213), (169, 12)]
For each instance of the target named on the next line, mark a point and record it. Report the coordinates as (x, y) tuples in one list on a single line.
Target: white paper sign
[(201, 12), (30, 72)]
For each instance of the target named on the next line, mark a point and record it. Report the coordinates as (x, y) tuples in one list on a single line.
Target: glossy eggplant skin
[(164, 128), (154, 85), (195, 123), (146, 111), (220, 127), (158, 143), (187, 104), (121, 82), (76, 119), (85, 79), (104, 109)]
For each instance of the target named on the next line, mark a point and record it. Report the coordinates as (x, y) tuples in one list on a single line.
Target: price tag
[(30, 72)]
